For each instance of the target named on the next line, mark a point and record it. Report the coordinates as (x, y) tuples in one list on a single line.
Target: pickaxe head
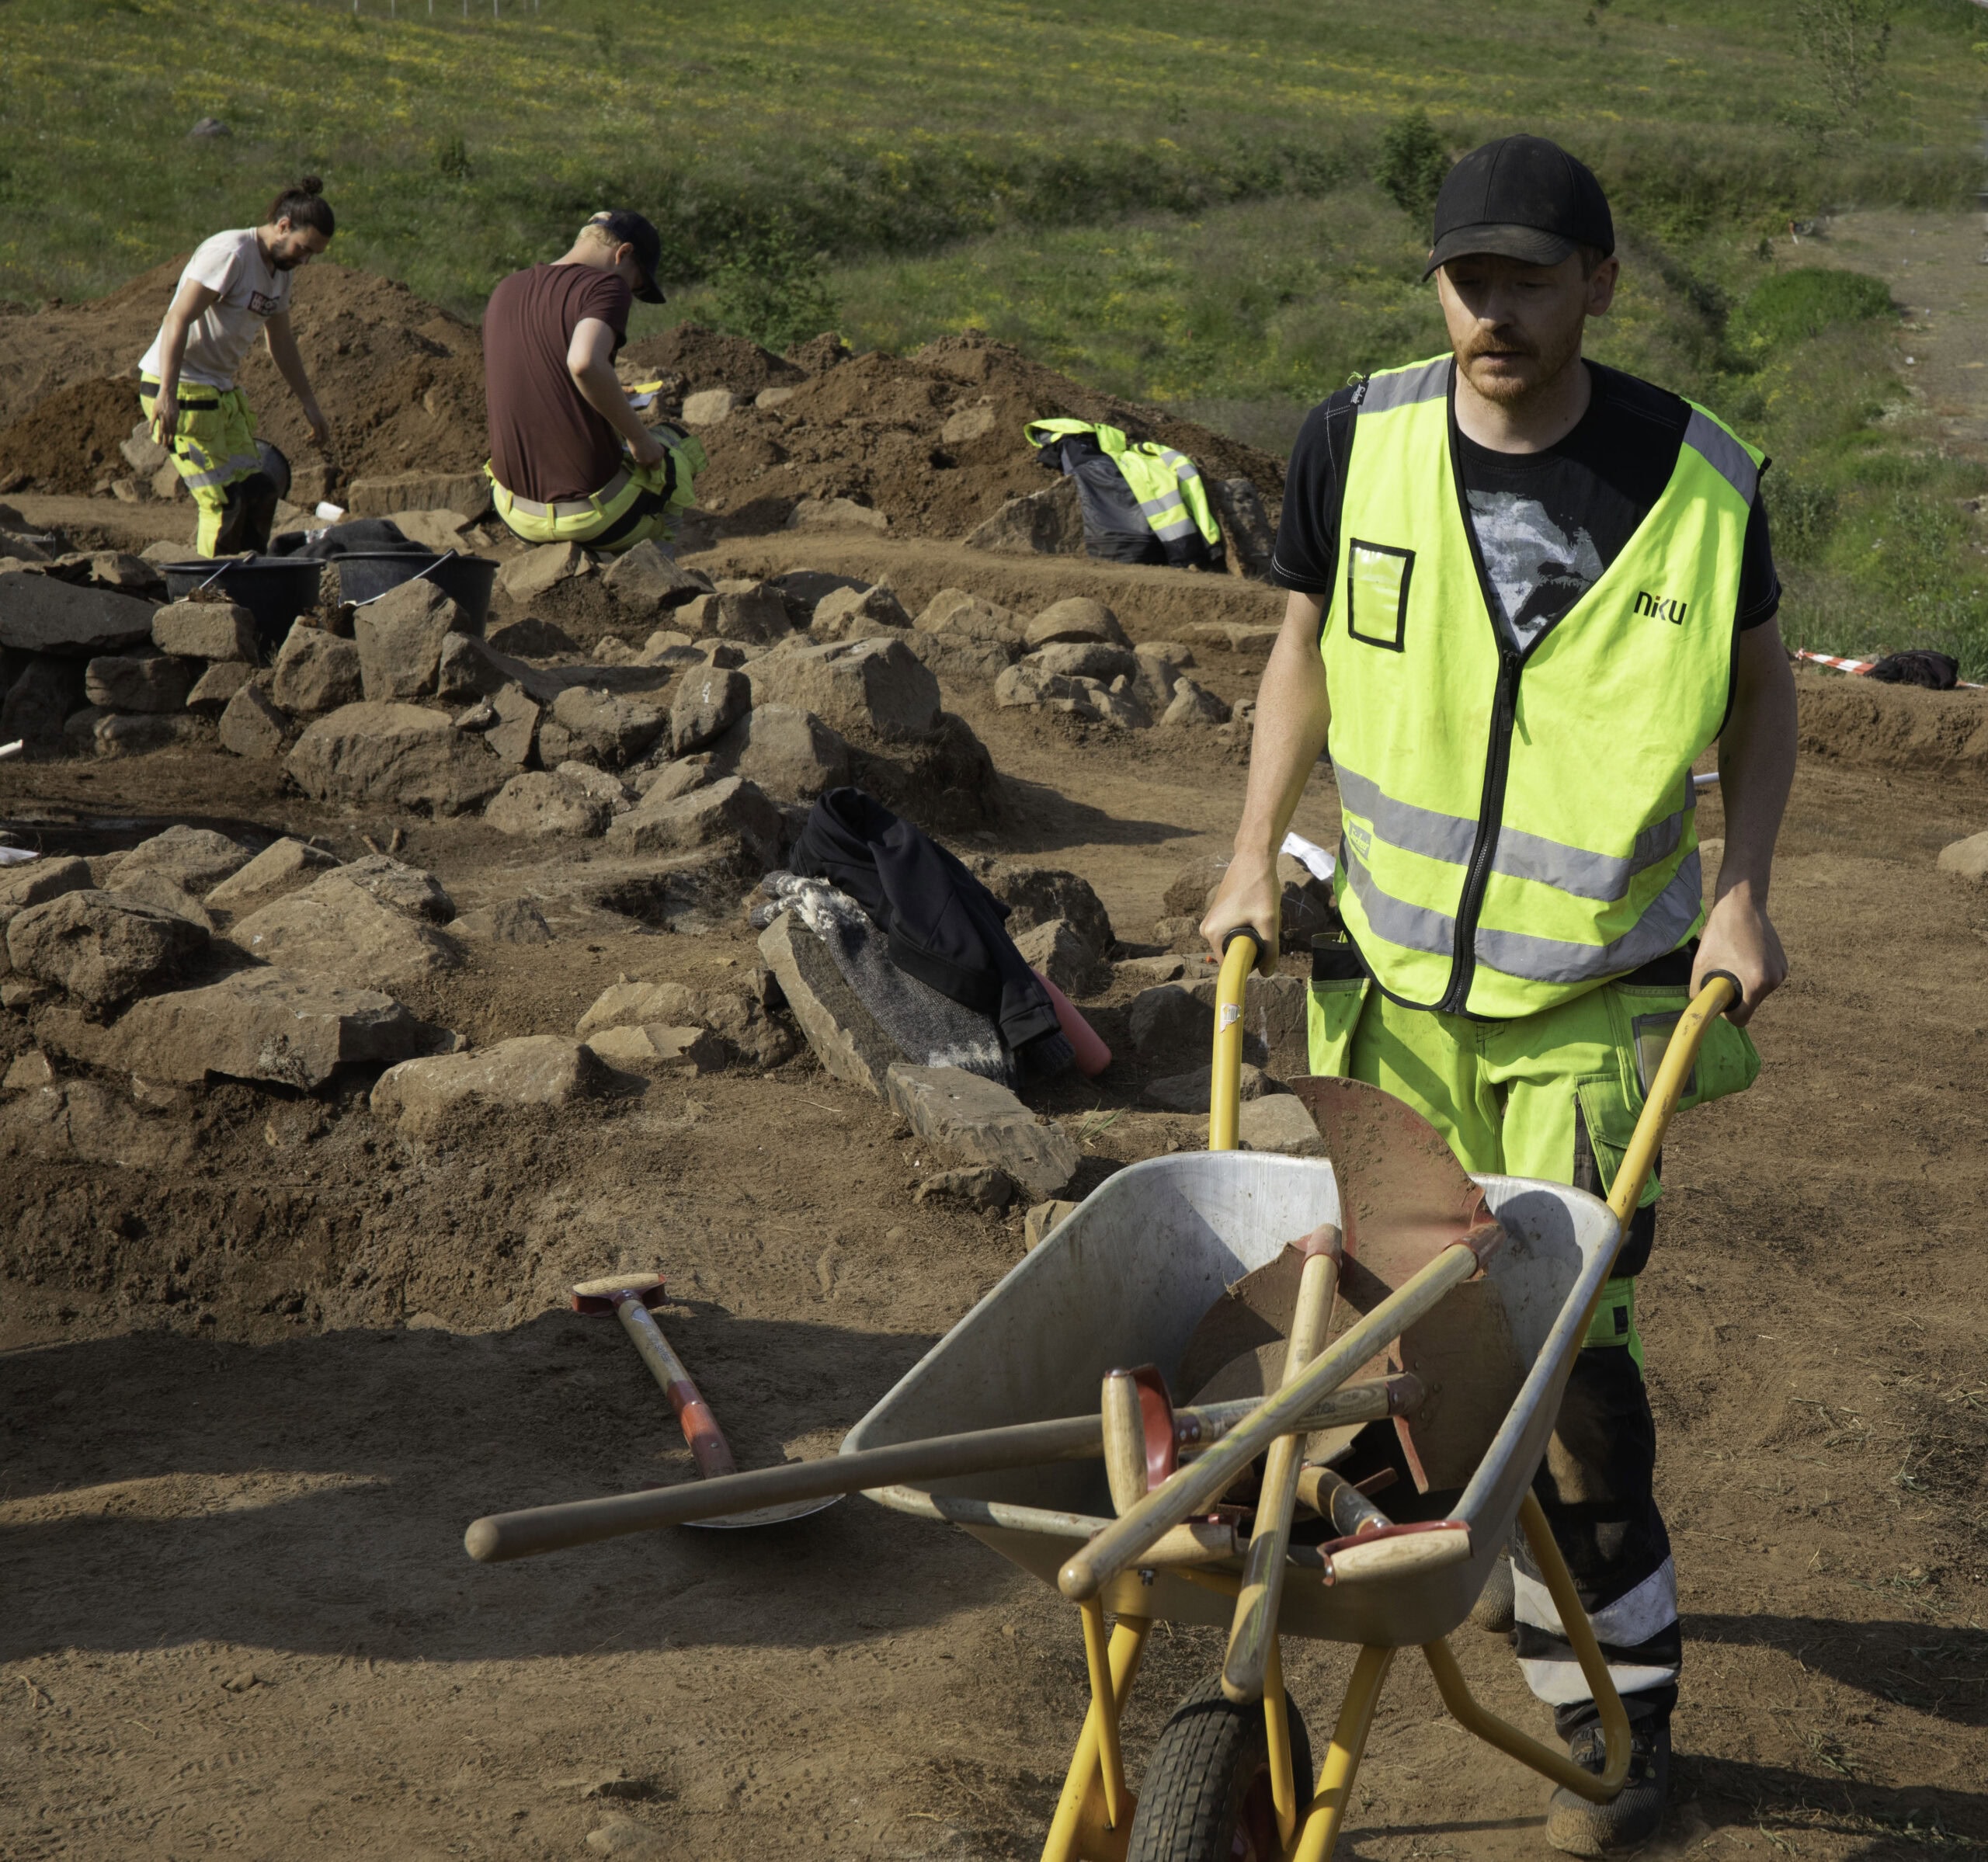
[(607, 1295)]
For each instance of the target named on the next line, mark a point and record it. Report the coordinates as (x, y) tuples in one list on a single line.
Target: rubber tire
[(1202, 1767)]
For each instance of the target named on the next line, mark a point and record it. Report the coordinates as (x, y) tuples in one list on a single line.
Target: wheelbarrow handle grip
[(1240, 946), (1721, 990)]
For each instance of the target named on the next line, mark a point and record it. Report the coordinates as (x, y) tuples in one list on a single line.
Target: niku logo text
[(1666, 607)]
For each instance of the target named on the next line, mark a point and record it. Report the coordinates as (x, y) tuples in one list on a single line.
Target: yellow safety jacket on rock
[(1518, 826), (1166, 485)]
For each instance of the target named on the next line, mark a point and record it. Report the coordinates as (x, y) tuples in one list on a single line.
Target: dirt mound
[(1856, 720), (68, 441), (933, 440), (708, 359)]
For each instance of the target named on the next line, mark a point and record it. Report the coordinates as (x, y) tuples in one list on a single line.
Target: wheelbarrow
[(1033, 1463), (1125, 1280)]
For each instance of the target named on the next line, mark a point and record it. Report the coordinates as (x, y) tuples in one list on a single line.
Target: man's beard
[(282, 264), (1511, 391)]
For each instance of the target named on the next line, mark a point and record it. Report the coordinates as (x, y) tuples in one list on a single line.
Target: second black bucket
[(466, 580)]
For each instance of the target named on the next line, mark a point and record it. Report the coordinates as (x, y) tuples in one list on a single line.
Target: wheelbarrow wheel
[(1206, 1795)]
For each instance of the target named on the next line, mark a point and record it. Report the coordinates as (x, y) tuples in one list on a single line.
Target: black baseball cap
[(627, 227), (1521, 197)]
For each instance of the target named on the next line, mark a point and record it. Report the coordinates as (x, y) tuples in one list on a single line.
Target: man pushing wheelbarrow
[(1528, 593)]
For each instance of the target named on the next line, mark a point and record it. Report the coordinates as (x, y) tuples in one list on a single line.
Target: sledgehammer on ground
[(629, 1297)]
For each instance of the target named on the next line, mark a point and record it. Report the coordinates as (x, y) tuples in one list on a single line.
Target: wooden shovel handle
[(693, 1414)]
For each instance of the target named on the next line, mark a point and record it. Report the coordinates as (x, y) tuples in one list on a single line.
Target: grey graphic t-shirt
[(1537, 569)]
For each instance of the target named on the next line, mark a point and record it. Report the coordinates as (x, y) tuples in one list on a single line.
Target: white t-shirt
[(252, 291)]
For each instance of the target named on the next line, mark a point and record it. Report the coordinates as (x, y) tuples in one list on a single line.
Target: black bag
[(1917, 666)]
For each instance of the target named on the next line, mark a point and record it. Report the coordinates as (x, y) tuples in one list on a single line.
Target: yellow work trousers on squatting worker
[(1556, 1095), (213, 447), (638, 503)]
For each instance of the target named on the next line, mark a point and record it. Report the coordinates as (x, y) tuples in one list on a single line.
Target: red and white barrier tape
[(1862, 665)]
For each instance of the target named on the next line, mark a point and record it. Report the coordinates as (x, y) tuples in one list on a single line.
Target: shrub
[(1801, 514), (772, 288), (1413, 162), (1793, 306)]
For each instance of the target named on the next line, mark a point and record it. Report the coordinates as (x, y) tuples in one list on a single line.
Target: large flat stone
[(604, 729), (39, 614), (537, 805), (976, 1120), (100, 947), (251, 725), (792, 755), (383, 495), (875, 688), (540, 1070), (846, 1038), (709, 701), (146, 681), (1278, 1121), (729, 810), (335, 929), (399, 755), (205, 630), (400, 638), (39, 880), (199, 859), (288, 1028), (282, 868), (413, 890)]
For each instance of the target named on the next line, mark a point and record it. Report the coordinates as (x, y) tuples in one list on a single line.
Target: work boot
[(1579, 1828), (1494, 1610)]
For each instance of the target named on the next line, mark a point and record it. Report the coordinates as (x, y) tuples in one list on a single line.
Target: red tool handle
[(701, 1429)]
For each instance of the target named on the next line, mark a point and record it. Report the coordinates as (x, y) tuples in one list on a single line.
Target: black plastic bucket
[(365, 575), (275, 589)]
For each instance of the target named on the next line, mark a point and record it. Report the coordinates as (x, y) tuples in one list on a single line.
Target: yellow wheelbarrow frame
[(1092, 1822)]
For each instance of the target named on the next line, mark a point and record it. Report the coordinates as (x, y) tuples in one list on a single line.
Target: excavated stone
[(1048, 522), (1034, 895), (728, 811), (516, 728), (1042, 1221), (196, 858), (1166, 1022), (1053, 950), (846, 1038), (1076, 619), (399, 755), (315, 672), (667, 780), (144, 682), (525, 576), (1085, 659), (737, 1019), (857, 614), (516, 921), (290, 1028), (602, 785), (973, 421), (39, 614), (251, 725), (835, 514), (28, 1071), (977, 1186), (400, 638), (47, 693), (1966, 858), (214, 688), (708, 406), (874, 688), (791, 755), (150, 888), (281, 868), (708, 702), (1194, 704), (205, 630), (650, 1047), (388, 494), (38, 881), (336, 928), (755, 614), (531, 1070), (956, 611), (139, 733), (955, 658), (1191, 890), (605, 729), (536, 804), (1189, 1091), (646, 577), (97, 947), (413, 890), (1278, 1121), (976, 1120)]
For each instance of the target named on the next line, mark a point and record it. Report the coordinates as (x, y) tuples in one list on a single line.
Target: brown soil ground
[(264, 1360)]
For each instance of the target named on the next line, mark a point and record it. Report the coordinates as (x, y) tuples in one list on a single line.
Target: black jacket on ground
[(942, 925)]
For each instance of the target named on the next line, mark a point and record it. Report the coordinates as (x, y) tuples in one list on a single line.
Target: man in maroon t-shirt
[(570, 460)]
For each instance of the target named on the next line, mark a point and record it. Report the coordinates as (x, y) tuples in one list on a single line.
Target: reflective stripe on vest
[(1166, 484), (1540, 799)]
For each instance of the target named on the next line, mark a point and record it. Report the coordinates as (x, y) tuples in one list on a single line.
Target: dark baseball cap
[(1521, 197), (627, 227)]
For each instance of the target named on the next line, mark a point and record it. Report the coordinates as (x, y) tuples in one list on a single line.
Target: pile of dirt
[(68, 441), (933, 440)]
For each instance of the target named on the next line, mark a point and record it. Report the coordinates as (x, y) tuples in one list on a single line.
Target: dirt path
[(256, 1389)]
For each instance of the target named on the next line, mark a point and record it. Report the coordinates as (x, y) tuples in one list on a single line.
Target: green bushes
[(1792, 307), (1413, 161), (772, 287)]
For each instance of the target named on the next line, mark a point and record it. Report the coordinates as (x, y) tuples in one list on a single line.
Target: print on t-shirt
[(1537, 570)]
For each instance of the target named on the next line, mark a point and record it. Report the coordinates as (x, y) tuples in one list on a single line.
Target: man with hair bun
[(236, 286)]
